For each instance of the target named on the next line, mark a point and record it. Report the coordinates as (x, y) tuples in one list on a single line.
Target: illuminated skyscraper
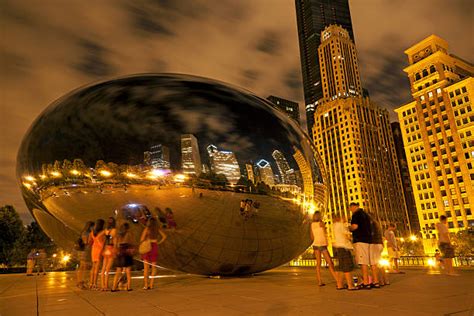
[(354, 138), (190, 157), (250, 172), (224, 162), (438, 132), (159, 156), (147, 158), (287, 174), (266, 172), (312, 17), (306, 175), (291, 108)]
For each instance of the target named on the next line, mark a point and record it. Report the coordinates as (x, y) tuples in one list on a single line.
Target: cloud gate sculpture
[(233, 180)]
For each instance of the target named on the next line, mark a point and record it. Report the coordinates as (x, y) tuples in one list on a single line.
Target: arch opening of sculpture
[(232, 180)]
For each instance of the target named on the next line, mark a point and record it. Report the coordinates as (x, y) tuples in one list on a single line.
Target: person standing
[(320, 246), (96, 238), (361, 238), (124, 259), (150, 234), (108, 253), (30, 262), (342, 252), (83, 253), (444, 243), (392, 247), (42, 258), (375, 253)]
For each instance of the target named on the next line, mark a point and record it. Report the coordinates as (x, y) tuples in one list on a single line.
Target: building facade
[(287, 174), (312, 17), (438, 132), (159, 156), (291, 108), (225, 163), (353, 137), (265, 172), (190, 156)]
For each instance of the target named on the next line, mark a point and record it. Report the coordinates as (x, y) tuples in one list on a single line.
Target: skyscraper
[(405, 175), (224, 162), (266, 172), (159, 156), (287, 174), (312, 17), (190, 157), (438, 132), (250, 172), (354, 139), (291, 108)]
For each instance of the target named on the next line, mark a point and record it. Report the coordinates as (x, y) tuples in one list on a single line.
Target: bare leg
[(395, 263), (328, 259), (348, 276), (102, 274), (107, 272), (91, 277), (448, 266), (146, 272), (365, 273), (128, 270), (118, 275), (375, 273), (317, 255), (153, 273)]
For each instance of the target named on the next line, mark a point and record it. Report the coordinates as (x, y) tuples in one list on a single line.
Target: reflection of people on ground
[(170, 222), (108, 253), (200, 195), (150, 235), (83, 253), (125, 252), (320, 246), (96, 238), (41, 261), (342, 252), (30, 262), (161, 216), (445, 246)]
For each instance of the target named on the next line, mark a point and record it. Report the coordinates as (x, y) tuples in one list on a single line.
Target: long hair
[(88, 227), (152, 226), (99, 226), (111, 222), (123, 230)]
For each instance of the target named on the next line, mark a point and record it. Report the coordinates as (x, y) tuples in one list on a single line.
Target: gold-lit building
[(438, 132), (353, 137)]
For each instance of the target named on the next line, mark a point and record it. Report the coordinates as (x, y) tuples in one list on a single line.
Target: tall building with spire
[(190, 156), (354, 138), (438, 132), (266, 173), (312, 17)]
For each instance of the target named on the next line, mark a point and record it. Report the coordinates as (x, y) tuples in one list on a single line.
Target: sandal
[(353, 289), (376, 285), (322, 284)]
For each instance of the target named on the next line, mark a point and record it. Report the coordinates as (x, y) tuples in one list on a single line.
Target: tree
[(412, 248), (463, 242), (11, 230)]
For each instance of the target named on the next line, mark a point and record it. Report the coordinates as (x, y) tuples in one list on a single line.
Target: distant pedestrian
[(110, 234), (242, 206), (444, 243), (375, 254), (170, 222), (83, 253), (124, 260), (41, 261), (361, 238), (392, 247), (161, 216), (30, 262), (320, 246), (342, 253), (150, 235), (97, 239)]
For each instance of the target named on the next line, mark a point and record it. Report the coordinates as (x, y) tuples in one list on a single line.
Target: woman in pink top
[(320, 246), (97, 240)]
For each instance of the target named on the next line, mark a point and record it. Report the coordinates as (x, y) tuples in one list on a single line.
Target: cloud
[(269, 43), (93, 60)]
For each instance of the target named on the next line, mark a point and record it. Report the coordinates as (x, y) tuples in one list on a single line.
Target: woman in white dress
[(320, 246)]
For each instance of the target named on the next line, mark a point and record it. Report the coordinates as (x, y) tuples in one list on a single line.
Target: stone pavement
[(282, 291)]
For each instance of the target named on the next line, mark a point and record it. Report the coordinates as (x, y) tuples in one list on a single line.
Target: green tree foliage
[(11, 230), (463, 242), (412, 248)]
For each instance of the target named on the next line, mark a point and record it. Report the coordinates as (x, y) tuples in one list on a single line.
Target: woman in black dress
[(125, 252)]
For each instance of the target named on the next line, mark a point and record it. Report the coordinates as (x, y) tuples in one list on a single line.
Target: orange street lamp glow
[(66, 258), (180, 177), (27, 185), (74, 172), (30, 178), (130, 175), (105, 173), (56, 174), (431, 262), (43, 176), (402, 239), (413, 238)]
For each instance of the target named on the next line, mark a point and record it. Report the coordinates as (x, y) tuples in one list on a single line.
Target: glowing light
[(27, 185), (30, 178), (56, 174), (402, 239), (54, 255), (384, 263), (179, 177), (66, 258), (131, 175), (155, 173), (431, 262), (413, 238), (105, 173), (74, 172), (43, 176)]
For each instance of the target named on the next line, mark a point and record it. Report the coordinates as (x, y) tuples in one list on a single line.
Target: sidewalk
[(282, 291)]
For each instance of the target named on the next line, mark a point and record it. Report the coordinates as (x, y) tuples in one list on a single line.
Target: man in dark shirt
[(361, 238)]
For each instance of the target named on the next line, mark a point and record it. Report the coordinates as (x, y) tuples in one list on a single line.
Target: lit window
[(430, 94)]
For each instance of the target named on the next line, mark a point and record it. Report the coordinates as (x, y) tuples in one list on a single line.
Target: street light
[(30, 178), (413, 238), (105, 173), (74, 172), (66, 258), (56, 174), (402, 239)]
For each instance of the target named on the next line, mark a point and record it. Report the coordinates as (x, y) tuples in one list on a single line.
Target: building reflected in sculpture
[(155, 163)]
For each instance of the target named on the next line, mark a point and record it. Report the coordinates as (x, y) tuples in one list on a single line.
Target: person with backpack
[(97, 240), (108, 254), (149, 241), (83, 253)]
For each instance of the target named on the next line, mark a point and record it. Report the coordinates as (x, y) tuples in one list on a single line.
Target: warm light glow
[(54, 255), (105, 173), (66, 258), (43, 176), (431, 262), (384, 263), (27, 185), (413, 238), (155, 173), (179, 177), (402, 239), (74, 172), (56, 174), (130, 175), (30, 178)]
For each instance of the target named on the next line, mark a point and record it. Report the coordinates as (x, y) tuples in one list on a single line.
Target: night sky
[(49, 48)]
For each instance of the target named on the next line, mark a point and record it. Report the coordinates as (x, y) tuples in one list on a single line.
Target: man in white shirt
[(392, 246), (445, 246)]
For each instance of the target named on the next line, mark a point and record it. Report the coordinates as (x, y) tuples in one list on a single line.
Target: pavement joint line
[(454, 313), (87, 301)]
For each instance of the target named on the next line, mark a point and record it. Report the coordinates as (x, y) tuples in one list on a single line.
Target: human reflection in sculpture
[(185, 150)]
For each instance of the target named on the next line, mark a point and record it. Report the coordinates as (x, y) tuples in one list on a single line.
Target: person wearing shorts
[(392, 247), (342, 253), (375, 253), (444, 244), (320, 246), (361, 239)]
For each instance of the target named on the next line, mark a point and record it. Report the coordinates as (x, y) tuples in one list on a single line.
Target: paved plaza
[(282, 291)]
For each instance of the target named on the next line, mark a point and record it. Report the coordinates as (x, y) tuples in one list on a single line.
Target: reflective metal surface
[(233, 180)]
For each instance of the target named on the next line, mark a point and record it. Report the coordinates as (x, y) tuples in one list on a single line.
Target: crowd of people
[(102, 245), (249, 208)]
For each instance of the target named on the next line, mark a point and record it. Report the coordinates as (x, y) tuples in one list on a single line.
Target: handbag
[(145, 247)]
